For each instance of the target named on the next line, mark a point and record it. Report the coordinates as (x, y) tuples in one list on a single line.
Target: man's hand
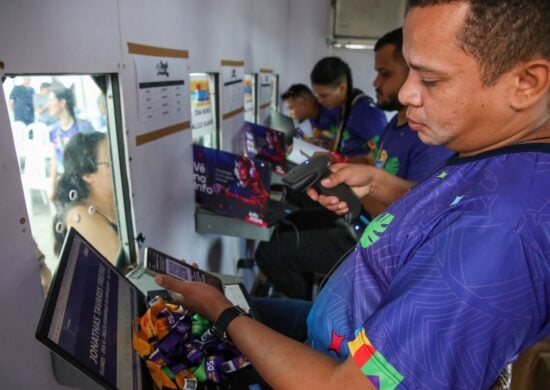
[(201, 298), (358, 177)]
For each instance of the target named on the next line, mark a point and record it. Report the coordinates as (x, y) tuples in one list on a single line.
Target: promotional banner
[(233, 185), (265, 144)]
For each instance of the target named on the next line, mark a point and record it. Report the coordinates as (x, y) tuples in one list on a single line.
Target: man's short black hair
[(297, 90), (394, 37), (500, 34)]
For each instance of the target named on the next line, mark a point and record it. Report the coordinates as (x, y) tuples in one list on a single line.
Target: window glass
[(203, 109), (61, 130)]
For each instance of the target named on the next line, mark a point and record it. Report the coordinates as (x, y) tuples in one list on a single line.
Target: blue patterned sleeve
[(468, 299)]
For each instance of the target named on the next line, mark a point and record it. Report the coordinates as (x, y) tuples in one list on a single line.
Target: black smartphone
[(160, 263)]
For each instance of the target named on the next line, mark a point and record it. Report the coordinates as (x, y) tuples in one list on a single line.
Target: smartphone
[(160, 263)]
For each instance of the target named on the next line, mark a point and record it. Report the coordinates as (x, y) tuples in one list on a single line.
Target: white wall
[(308, 31), (81, 36)]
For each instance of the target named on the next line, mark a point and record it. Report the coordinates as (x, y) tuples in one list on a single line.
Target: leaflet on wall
[(266, 85), (202, 117), (265, 144), (162, 76), (249, 98), (232, 185), (265, 94), (232, 93)]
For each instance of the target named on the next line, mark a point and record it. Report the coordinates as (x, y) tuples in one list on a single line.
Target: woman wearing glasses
[(85, 194)]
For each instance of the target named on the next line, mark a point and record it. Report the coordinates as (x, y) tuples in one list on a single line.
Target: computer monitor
[(283, 123)]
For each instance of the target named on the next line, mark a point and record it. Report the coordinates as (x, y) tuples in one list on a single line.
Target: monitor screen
[(282, 123)]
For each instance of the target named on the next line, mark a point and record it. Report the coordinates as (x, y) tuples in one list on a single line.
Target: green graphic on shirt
[(375, 229), (373, 146), (442, 175), (392, 166), (333, 130), (346, 135)]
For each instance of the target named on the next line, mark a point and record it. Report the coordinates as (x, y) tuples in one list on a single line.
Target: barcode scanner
[(311, 172)]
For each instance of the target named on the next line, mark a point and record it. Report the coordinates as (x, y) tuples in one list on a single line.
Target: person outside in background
[(85, 194), (102, 108), (361, 123), (62, 106), (452, 282), (21, 102), (41, 105), (302, 105)]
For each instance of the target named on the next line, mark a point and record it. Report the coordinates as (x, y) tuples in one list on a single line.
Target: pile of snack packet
[(180, 349)]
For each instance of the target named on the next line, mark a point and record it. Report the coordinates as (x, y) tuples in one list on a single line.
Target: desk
[(209, 222)]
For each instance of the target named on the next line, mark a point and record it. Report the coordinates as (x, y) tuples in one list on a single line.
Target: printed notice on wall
[(202, 117), (266, 87), (162, 81), (232, 92), (249, 99)]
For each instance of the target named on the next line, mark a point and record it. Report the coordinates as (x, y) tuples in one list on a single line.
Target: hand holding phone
[(160, 263)]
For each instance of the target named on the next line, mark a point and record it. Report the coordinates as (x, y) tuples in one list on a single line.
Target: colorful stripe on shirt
[(371, 362)]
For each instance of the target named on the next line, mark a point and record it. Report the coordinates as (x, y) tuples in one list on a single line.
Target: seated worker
[(85, 194), (302, 105), (453, 280), (361, 123), (290, 260)]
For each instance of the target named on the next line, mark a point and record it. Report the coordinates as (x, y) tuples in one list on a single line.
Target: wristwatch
[(220, 326)]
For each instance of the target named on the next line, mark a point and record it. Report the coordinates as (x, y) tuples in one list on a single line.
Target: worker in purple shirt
[(302, 105), (362, 123)]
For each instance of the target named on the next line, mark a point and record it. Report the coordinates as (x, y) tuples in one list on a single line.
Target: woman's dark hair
[(79, 158), (331, 71), (66, 94)]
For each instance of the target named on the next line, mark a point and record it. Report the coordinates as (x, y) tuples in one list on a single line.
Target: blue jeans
[(285, 315)]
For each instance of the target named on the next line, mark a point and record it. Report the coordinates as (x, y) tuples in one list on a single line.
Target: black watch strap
[(228, 315)]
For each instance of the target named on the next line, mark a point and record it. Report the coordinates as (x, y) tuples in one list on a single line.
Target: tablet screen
[(88, 314)]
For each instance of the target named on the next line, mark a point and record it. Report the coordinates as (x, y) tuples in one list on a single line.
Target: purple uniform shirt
[(401, 153), (450, 283), (327, 121), (365, 125)]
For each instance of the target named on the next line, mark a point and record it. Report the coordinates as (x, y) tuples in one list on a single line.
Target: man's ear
[(531, 83)]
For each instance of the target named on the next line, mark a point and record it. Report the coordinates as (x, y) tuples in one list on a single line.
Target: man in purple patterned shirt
[(451, 282)]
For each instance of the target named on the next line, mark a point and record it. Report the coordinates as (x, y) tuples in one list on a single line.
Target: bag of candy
[(180, 349)]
